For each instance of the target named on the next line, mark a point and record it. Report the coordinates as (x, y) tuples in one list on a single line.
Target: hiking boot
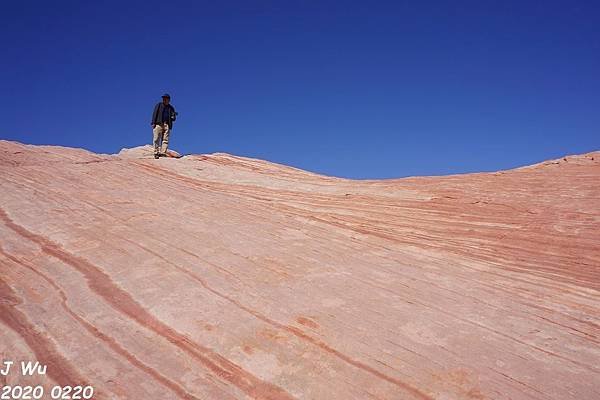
[(156, 155)]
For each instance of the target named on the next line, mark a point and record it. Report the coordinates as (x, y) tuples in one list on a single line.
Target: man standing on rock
[(162, 123)]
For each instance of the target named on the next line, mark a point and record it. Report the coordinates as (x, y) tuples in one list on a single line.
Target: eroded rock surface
[(222, 277)]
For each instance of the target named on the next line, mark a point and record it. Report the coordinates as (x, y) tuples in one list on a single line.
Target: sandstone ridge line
[(224, 277)]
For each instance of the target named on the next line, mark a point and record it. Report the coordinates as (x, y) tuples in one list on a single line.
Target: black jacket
[(157, 115)]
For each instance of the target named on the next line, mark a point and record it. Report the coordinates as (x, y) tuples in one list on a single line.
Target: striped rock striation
[(223, 277)]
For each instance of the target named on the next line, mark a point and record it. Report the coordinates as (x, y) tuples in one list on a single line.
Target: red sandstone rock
[(222, 277)]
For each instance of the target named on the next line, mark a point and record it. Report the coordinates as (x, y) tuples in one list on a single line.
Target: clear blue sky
[(356, 89)]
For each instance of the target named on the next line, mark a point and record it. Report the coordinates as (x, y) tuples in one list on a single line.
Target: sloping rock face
[(222, 277)]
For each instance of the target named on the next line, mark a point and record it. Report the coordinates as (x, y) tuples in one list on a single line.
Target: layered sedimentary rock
[(222, 277)]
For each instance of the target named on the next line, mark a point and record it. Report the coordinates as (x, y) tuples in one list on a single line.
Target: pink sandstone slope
[(223, 277)]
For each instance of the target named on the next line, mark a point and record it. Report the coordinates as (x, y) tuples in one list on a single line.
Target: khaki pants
[(160, 139)]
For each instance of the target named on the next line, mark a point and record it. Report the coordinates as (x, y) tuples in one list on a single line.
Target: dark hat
[(166, 95)]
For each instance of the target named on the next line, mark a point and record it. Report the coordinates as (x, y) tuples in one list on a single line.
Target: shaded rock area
[(224, 277)]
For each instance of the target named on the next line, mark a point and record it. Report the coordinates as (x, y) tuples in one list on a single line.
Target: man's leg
[(157, 138), (165, 141)]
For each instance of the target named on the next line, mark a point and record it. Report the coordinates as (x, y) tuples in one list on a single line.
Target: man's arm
[(154, 115)]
